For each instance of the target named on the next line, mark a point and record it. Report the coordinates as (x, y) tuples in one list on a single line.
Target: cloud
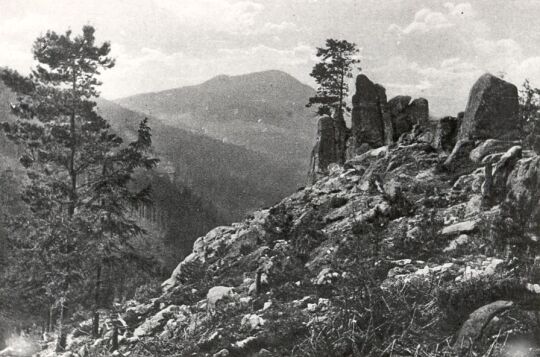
[(301, 54), (497, 54), (273, 28), (427, 20), (216, 15), (462, 10), (181, 68), (446, 85)]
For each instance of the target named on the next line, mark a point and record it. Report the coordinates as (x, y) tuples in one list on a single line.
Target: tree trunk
[(73, 149), (61, 341), (341, 90), (95, 319), (115, 338), (51, 319)]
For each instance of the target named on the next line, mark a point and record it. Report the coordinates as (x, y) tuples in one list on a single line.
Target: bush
[(147, 291)]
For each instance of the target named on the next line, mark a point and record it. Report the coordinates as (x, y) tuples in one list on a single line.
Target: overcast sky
[(434, 49)]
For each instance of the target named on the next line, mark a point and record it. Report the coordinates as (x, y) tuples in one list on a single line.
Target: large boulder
[(330, 147), (367, 122), (219, 293), (490, 147), (473, 328), (405, 114), (419, 111), (397, 107), (492, 110)]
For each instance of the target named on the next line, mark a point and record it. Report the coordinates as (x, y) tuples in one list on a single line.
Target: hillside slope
[(183, 215), (235, 179), (262, 111), (395, 252)]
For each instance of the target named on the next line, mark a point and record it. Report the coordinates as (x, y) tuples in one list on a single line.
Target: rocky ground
[(402, 250)]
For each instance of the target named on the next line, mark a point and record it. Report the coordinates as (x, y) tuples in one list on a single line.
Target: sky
[(434, 49)]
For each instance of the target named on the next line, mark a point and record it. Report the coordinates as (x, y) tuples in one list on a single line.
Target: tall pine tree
[(79, 171), (331, 73)]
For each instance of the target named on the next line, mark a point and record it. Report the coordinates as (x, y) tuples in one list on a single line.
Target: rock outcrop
[(367, 126), (492, 111), (446, 133), (408, 247), (330, 147), (406, 114), (375, 122)]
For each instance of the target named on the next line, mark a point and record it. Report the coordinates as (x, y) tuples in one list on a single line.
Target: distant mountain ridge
[(262, 111), (203, 180)]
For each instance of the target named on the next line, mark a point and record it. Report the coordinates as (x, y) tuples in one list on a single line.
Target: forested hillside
[(263, 111), (235, 179)]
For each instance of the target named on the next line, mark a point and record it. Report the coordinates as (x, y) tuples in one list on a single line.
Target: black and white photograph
[(269, 178)]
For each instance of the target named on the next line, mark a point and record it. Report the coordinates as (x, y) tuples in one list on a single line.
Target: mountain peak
[(272, 76)]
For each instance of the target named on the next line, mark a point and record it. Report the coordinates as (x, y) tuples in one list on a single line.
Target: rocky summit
[(413, 240)]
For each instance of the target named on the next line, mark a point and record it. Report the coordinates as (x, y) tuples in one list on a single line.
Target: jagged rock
[(222, 353), (252, 321), (397, 105), (400, 119), (494, 187), (459, 157), (330, 147), (264, 353), (459, 228), (157, 321), (446, 133), (460, 241), (492, 111), (523, 186), (473, 328), (490, 147), (405, 114), (419, 111), (367, 122), (217, 294)]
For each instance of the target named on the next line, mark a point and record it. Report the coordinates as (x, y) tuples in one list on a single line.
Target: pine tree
[(529, 101), (331, 73), (79, 171)]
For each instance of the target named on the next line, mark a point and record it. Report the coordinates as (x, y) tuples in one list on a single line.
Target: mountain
[(405, 249), (263, 111), (201, 182), (233, 178)]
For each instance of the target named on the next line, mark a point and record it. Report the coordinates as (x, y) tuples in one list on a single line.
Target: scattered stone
[(460, 241), (217, 294), (252, 321), (157, 321), (326, 276), (459, 228), (222, 353), (490, 147), (246, 341), (264, 353)]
